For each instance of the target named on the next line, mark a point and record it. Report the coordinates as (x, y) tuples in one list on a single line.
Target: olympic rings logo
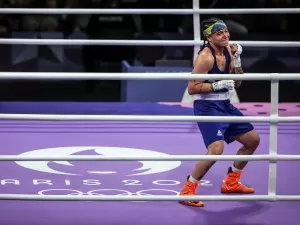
[(107, 192)]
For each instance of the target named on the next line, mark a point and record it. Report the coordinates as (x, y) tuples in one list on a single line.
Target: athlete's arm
[(235, 64), (202, 65)]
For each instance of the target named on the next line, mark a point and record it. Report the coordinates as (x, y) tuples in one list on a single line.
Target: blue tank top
[(215, 69)]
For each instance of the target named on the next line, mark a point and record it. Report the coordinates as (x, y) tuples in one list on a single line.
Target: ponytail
[(204, 43)]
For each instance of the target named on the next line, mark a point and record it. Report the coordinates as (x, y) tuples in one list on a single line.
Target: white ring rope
[(146, 76), (147, 11), (139, 118), (66, 42), (271, 158), (181, 76), (150, 198)]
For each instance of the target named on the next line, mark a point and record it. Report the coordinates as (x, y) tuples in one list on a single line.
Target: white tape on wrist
[(215, 86), (237, 61), (237, 56)]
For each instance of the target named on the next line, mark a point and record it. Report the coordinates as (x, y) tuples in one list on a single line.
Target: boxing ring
[(120, 163)]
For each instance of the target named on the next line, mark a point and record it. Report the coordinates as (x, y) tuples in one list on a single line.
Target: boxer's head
[(215, 32)]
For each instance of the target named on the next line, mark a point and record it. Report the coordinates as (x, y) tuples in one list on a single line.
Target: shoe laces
[(236, 177), (191, 186)]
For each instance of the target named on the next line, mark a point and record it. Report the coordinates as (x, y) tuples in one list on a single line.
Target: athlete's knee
[(253, 141), (216, 148)]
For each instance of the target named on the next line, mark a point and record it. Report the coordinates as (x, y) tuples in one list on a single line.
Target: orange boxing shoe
[(232, 184), (189, 189)]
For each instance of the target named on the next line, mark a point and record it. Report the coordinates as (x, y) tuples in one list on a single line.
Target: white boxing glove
[(227, 84), (237, 56)]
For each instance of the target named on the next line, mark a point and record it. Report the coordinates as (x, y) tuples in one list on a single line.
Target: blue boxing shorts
[(219, 131)]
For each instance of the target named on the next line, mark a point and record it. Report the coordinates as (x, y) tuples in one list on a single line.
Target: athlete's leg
[(250, 141), (247, 136), (214, 140), (213, 137), (201, 168)]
